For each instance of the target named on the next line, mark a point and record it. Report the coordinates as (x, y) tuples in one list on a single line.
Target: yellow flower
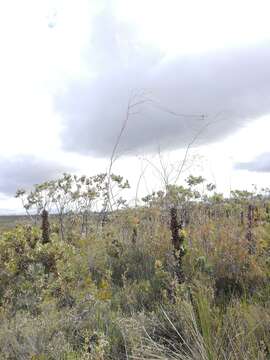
[(158, 264), (182, 233)]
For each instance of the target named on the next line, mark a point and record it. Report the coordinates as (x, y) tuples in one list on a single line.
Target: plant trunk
[(177, 242), (45, 227)]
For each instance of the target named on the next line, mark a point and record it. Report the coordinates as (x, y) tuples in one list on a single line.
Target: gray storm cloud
[(234, 83), (260, 164), (25, 171)]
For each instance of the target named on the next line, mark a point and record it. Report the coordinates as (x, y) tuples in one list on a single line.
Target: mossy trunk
[(45, 227), (250, 236), (178, 245)]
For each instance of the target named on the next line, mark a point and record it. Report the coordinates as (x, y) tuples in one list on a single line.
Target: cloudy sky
[(69, 69)]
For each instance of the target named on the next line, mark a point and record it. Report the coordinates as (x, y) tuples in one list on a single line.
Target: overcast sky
[(69, 68)]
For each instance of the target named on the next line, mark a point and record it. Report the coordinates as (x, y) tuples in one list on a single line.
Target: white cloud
[(140, 39), (233, 82)]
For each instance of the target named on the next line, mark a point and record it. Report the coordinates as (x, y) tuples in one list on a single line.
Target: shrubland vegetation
[(183, 275)]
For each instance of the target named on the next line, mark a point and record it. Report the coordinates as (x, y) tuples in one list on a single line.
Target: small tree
[(73, 197)]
